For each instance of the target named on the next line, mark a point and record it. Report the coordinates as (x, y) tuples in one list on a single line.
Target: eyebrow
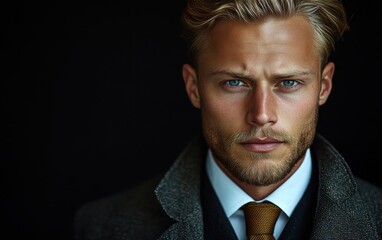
[(288, 74)]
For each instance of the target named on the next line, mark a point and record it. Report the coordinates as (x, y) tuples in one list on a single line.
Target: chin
[(261, 169)]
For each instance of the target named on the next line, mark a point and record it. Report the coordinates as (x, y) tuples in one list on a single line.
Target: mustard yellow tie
[(260, 219)]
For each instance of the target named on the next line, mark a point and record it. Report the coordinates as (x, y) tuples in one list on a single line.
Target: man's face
[(258, 87)]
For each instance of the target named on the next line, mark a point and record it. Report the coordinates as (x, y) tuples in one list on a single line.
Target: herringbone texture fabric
[(260, 219)]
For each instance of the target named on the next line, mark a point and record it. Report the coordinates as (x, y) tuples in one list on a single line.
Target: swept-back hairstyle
[(327, 17)]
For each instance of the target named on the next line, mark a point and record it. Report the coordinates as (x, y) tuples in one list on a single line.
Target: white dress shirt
[(232, 197)]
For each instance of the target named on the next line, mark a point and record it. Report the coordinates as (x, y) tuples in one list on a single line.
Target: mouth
[(260, 144)]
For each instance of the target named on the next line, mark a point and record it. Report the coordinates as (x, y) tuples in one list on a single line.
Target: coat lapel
[(179, 194), (338, 213)]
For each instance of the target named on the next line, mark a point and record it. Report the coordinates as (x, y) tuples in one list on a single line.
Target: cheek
[(297, 113), (301, 106), (225, 114)]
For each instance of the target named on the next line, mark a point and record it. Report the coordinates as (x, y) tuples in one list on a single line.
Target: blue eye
[(289, 83), (235, 83)]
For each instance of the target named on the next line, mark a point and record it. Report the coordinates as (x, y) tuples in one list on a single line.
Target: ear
[(191, 83), (326, 83)]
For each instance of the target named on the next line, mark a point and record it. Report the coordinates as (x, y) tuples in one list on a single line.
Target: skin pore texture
[(259, 86)]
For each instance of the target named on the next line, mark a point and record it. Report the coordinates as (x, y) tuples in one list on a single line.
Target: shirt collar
[(286, 197)]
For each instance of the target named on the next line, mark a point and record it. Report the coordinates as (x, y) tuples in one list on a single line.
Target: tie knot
[(260, 219)]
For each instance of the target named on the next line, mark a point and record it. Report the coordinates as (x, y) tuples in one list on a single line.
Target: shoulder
[(371, 196), (138, 196), (123, 214), (372, 189)]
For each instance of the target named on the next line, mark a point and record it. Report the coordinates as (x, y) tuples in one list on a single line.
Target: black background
[(93, 102)]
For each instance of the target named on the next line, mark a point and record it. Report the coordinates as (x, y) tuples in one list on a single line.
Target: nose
[(262, 106)]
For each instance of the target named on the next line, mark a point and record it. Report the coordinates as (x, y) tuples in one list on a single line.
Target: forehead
[(271, 38)]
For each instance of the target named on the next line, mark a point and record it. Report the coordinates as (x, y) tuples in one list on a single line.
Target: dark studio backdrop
[(93, 102)]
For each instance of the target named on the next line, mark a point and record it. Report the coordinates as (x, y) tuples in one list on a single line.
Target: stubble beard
[(261, 169)]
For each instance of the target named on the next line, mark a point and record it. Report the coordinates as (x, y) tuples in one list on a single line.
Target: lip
[(261, 144)]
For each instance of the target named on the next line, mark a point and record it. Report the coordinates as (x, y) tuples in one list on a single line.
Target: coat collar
[(179, 193), (340, 212), (336, 179)]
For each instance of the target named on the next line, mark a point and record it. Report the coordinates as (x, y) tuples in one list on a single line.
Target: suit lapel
[(216, 223), (299, 226)]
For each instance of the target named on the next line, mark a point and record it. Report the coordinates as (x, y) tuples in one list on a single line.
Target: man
[(259, 71)]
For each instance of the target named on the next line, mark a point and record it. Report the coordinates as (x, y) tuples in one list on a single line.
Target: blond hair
[(327, 17)]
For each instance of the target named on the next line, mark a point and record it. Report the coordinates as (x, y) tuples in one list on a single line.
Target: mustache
[(280, 136)]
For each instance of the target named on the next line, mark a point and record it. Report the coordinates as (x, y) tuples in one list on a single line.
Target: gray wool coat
[(168, 206)]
